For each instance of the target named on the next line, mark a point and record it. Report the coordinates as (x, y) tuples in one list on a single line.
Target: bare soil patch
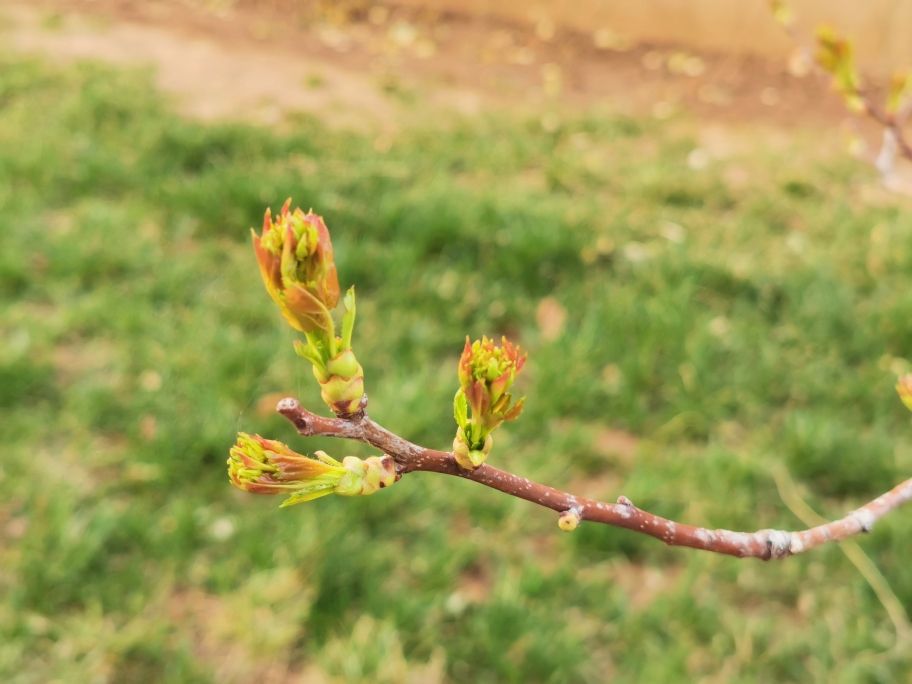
[(374, 63)]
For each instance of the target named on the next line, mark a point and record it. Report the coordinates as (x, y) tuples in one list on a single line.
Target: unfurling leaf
[(348, 318), (460, 408), (486, 372), (295, 256), (266, 466)]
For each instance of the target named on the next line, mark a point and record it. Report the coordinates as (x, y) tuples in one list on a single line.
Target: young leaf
[(308, 351), (312, 492), (460, 408), (348, 318)]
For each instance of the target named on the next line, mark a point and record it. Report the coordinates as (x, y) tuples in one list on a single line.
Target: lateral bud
[(569, 520)]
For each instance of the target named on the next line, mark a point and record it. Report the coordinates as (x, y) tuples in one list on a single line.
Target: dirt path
[(259, 60)]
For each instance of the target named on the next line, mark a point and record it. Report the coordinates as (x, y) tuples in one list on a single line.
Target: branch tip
[(287, 405)]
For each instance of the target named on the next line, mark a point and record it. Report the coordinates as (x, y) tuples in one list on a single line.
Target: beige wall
[(881, 29)]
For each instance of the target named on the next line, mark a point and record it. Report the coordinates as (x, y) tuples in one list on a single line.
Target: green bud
[(342, 383), (343, 395), (365, 477), (467, 457), (486, 372), (344, 365), (569, 520), (265, 466)]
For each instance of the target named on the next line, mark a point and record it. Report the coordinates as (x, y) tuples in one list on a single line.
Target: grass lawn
[(719, 323)]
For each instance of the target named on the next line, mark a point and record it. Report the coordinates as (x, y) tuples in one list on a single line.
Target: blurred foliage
[(709, 328)]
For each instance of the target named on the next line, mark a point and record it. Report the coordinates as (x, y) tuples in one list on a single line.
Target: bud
[(486, 373), (834, 55), (468, 458), (569, 520), (364, 477), (266, 466), (342, 384), (904, 389), (341, 378), (295, 256)]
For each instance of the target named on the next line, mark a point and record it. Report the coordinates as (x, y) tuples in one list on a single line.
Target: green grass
[(729, 327)]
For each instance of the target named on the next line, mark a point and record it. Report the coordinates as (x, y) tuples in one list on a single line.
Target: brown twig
[(891, 122), (764, 544)]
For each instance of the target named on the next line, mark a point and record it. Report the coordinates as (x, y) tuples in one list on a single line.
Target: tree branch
[(763, 544), (890, 122)]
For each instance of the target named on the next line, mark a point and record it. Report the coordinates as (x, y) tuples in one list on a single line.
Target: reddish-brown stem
[(764, 544)]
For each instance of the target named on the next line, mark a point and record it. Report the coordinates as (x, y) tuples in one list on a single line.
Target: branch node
[(865, 519), (293, 411), (355, 416), (624, 501), (778, 543)]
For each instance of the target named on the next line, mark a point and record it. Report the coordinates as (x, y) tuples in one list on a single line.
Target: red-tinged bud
[(295, 257), (343, 395), (486, 373), (265, 466), (495, 367)]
